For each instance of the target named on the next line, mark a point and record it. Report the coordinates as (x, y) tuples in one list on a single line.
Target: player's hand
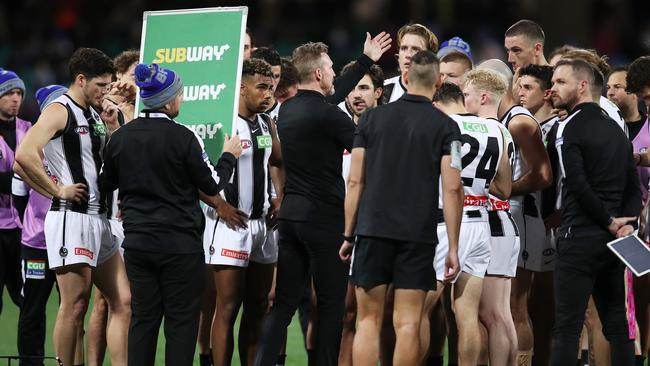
[(232, 145), (345, 253), (619, 222), (274, 211), (553, 220), (234, 218), (76, 193), (128, 110), (124, 88), (109, 114), (561, 113), (625, 230), (452, 266), (377, 46)]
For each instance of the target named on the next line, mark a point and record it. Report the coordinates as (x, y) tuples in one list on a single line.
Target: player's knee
[(490, 316), (76, 310)]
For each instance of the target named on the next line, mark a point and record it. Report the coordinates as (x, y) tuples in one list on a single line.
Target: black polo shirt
[(159, 167), (404, 141), (314, 134), (601, 177)]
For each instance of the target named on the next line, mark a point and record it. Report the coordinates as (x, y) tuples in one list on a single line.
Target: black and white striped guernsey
[(75, 156), (249, 189)]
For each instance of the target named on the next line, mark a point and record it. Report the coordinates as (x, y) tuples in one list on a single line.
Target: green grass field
[(9, 328)]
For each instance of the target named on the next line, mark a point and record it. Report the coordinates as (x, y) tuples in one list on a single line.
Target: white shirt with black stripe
[(75, 156)]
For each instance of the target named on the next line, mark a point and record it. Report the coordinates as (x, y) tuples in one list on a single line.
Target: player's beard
[(568, 103)]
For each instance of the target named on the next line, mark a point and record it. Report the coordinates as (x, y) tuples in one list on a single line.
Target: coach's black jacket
[(601, 177), (159, 167)]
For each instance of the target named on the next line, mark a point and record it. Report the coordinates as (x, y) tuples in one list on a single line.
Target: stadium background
[(37, 37)]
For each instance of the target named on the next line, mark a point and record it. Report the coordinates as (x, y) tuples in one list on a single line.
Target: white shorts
[(118, 232), (73, 237), (505, 244), (537, 251), (224, 246), (473, 249)]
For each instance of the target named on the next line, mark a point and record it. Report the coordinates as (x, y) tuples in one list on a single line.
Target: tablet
[(633, 252)]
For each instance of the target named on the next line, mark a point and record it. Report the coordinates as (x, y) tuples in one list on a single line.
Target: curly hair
[(638, 75), (125, 59), (90, 62), (256, 66)]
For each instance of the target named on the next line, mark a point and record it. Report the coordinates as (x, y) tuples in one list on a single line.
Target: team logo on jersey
[(84, 252), (95, 115), (99, 129), (245, 144), (475, 127), (234, 254), (82, 130), (35, 269), (264, 142)]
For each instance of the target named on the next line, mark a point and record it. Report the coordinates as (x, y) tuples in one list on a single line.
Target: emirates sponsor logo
[(84, 252), (234, 254)]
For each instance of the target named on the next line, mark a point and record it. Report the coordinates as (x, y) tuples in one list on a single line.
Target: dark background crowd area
[(38, 36)]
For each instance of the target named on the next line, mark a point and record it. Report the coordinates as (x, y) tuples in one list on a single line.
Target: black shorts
[(407, 265)]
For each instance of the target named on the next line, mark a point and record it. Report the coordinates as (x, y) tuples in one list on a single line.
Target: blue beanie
[(8, 81), (158, 86), (47, 94), (454, 45)]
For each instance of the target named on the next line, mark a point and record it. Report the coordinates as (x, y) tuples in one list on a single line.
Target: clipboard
[(633, 252)]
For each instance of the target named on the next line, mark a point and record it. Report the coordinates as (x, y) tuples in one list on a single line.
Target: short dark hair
[(425, 68), (458, 57), (375, 72), (267, 54), (448, 93), (256, 66), (584, 69), (288, 78), (638, 75), (543, 74), (527, 28), (90, 62), (125, 59)]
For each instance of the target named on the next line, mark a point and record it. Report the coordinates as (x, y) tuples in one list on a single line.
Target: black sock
[(311, 357), (584, 357), (639, 360), (281, 360), (205, 360), (435, 360)]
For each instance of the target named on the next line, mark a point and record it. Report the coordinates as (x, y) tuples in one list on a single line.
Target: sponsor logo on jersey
[(245, 144), (475, 127), (264, 142), (82, 130), (84, 252), (99, 129), (35, 269), (234, 254)]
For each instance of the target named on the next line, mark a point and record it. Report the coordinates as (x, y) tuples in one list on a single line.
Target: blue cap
[(454, 45), (47, 94), (158, 86), (9, 81)]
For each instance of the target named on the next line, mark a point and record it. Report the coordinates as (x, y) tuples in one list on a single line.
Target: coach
[(159, 167), (601, 199)]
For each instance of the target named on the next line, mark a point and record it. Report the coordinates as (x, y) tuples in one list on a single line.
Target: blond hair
[(487, 81), (430, 39)]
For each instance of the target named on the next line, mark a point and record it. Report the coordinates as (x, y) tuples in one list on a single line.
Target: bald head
[(499, 67)]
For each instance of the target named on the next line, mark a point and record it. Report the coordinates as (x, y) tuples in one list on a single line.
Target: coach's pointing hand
[(232, 145), (376, 46)]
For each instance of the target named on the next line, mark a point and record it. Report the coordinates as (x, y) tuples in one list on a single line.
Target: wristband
[(349, 238)]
